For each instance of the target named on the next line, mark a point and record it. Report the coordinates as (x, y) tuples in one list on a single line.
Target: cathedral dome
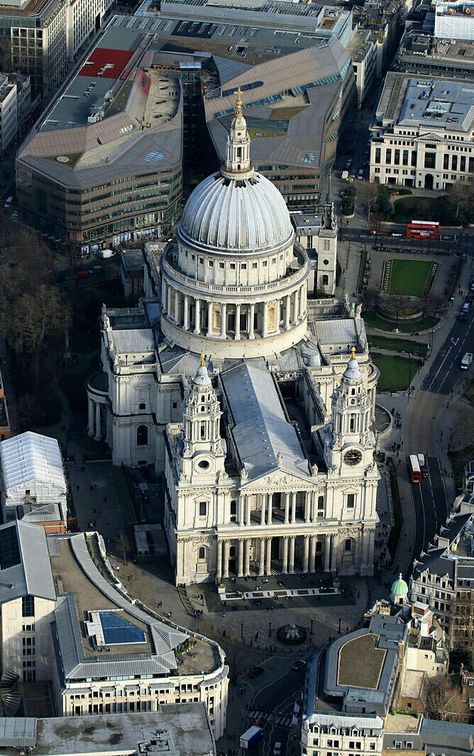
[(243, 214), (236, 209)]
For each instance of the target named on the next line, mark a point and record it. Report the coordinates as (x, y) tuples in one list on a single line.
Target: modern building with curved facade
[(255, 402)]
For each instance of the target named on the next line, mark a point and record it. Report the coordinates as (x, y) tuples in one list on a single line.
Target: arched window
[(233, 507), (202, 553), (142, 435), (348, 545)]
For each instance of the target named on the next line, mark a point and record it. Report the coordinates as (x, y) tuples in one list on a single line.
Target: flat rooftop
[(102, 633), (438, 103), (175, 730)]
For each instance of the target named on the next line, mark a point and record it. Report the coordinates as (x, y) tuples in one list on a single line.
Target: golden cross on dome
[(203, 360), (239, 110), (353, 353)]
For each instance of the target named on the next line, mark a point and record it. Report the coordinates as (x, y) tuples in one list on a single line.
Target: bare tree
[(371, 298), (35, 317), (444, 701)]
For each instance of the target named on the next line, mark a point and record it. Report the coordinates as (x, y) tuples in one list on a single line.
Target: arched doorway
[(429, 181)]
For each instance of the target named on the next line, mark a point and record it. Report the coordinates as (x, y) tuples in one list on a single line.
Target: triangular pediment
[(279, 479)]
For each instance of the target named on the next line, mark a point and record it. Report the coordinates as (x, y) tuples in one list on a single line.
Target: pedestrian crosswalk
[(272, 717)]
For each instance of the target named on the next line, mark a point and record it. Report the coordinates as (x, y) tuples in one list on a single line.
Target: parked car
[(277, 749), (299, 664)]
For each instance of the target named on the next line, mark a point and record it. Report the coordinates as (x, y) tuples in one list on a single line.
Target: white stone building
[(422, 135), (63, 622), (256, 483)]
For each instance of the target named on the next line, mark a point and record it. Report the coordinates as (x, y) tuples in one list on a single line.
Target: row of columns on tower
[(263, 551), (237, 320), (312, 508)]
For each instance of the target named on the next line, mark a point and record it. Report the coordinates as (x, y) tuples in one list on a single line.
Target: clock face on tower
[(353, 457)]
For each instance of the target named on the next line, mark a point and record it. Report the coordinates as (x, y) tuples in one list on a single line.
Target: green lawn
[(408, 326), (410, 277), (396, 373), (397, 345)]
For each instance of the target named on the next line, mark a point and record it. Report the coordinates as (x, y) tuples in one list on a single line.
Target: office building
[(422, 135)]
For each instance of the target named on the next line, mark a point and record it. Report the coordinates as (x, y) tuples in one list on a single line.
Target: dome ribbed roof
[(399, 588), (236, 214)]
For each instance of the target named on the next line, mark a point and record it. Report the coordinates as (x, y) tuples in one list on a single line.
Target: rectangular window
[(388, 156), (397, 157), (446, 162), (28, 606), (405, 157), (430, 159), (350, 501), (202, 508), (413, 158), (378, 154), (454, 165)]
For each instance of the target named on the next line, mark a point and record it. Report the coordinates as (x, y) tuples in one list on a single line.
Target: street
[(445, 372), (431, 506)]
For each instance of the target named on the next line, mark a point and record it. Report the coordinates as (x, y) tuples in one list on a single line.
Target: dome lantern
[(399, 590), (238, 144)]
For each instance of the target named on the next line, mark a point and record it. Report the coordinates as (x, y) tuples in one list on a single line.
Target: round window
[(203, 464), (326, 262)]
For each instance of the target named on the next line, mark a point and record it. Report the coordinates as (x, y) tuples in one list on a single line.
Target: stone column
[(293, 507), (291, 569), (186, 312), (269, 509), (98, 430), (268, 566), (240, 570), (176, 307), (226, 558), (90, 421), (306, 554), (242, 509), (265, 320), (197, 316), (251, 321), (302, 301), (170, 291), (261, 557), (333, 554), (312, 554), (223, 320), (219, 561), (287, 508), (249, 517), (307, 506), (295, 306), (263, 508), (285, 554), (164, 296), (209, 318), (287, 312), (327, 553), (247, 557), (237, 322)]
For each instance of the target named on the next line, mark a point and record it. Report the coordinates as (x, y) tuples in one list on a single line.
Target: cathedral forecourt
[(194, 378)]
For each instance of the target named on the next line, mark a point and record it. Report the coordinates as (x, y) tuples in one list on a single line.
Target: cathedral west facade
[(255, 402)]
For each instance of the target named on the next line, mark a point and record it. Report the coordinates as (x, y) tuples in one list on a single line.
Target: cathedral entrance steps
[(183, 595), (280, 593)]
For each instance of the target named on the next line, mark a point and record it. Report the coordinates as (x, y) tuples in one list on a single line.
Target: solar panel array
[(117, 630)]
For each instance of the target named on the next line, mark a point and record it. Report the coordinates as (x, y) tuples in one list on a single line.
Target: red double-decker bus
[(414, 469), (422, 230)]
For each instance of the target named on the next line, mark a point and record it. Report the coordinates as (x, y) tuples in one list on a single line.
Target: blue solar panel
[(117, 630)]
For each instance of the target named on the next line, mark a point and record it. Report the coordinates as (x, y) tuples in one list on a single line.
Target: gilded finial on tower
[(203, 360), (353, 353), (239, 109)]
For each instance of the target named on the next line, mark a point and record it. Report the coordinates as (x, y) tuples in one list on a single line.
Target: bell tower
[(353, 441), (203, 449)]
